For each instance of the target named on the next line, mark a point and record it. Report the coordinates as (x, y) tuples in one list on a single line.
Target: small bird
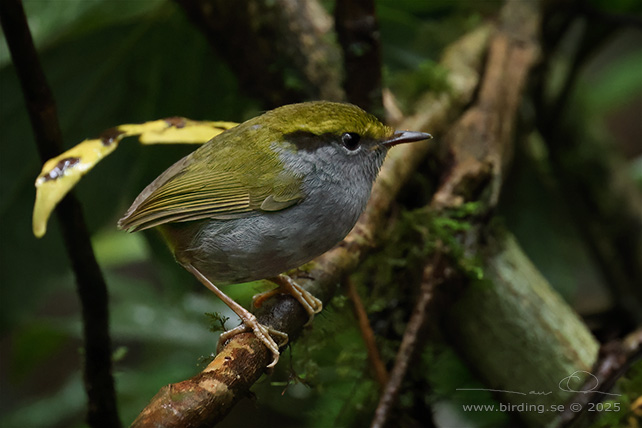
[(267, 196)]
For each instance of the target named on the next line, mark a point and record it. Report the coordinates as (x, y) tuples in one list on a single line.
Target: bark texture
[(280, 50)]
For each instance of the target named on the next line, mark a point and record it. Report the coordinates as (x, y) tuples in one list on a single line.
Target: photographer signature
[(590, 384)]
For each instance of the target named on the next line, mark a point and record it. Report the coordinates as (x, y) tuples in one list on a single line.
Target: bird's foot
[(311, 304), (250, 323), (262, 332)]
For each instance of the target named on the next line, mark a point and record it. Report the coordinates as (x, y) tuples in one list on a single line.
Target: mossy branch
[(511, 327)]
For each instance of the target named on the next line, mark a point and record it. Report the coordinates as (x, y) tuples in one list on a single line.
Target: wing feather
[(205, 185)]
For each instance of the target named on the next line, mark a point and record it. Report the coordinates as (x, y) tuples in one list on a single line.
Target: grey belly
[(262, 245)]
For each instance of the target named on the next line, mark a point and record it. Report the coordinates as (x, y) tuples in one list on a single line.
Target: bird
[(265, 197)]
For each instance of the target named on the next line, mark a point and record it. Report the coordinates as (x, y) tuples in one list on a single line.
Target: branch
[(433, 275), (278, 50), (477, 169), (491, 325), (90, 283), (358, 33), (378, 366), (615, 359), (243, 357)]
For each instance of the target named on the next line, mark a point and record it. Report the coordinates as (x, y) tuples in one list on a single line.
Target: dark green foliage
[(217, 321)]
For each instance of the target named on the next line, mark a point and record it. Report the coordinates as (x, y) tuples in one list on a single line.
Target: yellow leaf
[(60, 174)]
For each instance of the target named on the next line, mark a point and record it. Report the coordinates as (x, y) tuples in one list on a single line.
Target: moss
[(621, 411), (217, 321)]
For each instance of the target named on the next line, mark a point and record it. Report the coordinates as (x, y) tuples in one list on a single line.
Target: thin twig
[(91, 287), (432, 276), (367, 334), (615, 359)]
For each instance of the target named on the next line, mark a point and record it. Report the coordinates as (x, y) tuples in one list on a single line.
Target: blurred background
[(110, 63)]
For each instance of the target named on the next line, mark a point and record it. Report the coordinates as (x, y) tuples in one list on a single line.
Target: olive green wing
[(205, 185)]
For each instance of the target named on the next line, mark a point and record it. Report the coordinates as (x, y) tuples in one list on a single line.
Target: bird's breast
[(265, 244)]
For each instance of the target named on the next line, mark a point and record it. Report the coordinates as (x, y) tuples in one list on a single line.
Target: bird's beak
[(400, 137)]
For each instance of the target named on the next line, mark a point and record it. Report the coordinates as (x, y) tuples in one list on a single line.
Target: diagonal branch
[(90, 283), (377, 364), (479, 147), (615, 359), (433, 275)]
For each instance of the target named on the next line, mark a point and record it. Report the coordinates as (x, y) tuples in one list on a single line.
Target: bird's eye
[(351, 140)]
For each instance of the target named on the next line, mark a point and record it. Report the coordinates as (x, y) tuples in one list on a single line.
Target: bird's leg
[(311, 304), (250, 323)]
